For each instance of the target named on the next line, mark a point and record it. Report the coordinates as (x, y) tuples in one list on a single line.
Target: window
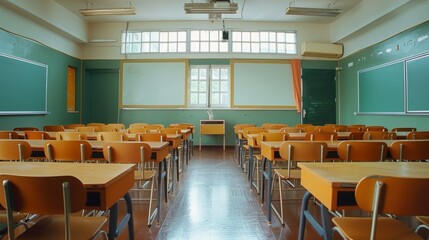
[(208, 41), (209, 86), (264, 42), (154, 42)]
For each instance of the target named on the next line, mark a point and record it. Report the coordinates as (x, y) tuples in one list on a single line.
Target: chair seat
[(387, 228), (144, 175), (284, 173), (52, 227)]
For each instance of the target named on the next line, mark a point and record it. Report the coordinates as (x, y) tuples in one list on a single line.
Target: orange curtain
[(296, 77)]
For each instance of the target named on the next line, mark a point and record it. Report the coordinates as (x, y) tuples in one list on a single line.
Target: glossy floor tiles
[(213, 201)]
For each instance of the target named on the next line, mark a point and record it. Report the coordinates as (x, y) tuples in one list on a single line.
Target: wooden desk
[(105, 185), (333, 184), (212, 127)]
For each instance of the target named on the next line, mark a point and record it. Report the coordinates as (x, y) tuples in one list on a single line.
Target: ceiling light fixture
[(220, 7), (323, 12), (107, 11)]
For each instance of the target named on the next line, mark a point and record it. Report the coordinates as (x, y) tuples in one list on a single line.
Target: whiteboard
[(153, 83), (262, 83)]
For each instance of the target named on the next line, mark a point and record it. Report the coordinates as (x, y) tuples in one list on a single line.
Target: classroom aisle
[(213, 202)]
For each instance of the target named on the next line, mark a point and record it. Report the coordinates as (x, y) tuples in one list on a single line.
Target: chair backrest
[(303, 151), (107, 128), (309, 128), (242, 126), (14, 150), (321, 136), (303, 125), (266, 125), (253, 130), (118, 126), (70, 136), (171, 130), (362, 151), (95, 124), (54, 128), (396, 195), (136, 129), (138, 125), (151, 137), (127, 152), (73, 125), (418, 135), (277, 126), (354, 129), (379, 135), (42, 195), (36, 135), (410, 150), (291, 130), (26, 129), (112, 136), (404, 129), (340, 128), (356, 135), (8, 135), (154, 127), (88, 129), (375, 128), (270, 136), (68, 150), (324, 129)]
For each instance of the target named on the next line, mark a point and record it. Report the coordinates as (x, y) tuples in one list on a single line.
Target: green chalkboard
[(381, 89), (418, 84), (23, 86)]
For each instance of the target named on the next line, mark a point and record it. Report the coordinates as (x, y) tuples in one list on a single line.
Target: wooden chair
[(239, 139), (36, 135), (321, 136), (107, 128), (379, 194), (379, 135), (324, 129), (138, 125), (404, 129), (68, 151), (136, 153), (118, 126), (54, 128), (15, 150), (276, 126), (294, 152), (112, 136), (356, 135), (362, 151), (257, 158), (418, 135), (70, 136), (243, 158), (154, 127), (151, 137), (26, 129), (303, 125), (354, 129), (55, 198), (136, 129), (8, 135), (73, 125), (291, 130), (375, 128), (410, 150), (87, 129)]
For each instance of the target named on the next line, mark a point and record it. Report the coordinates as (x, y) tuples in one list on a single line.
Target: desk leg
[(269, 186), (250, 166), (262, 187), (161, 174), (323, 230), (177, 163), (114, 229)]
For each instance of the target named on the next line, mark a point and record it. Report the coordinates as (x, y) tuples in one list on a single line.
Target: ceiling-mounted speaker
[(225, 35)]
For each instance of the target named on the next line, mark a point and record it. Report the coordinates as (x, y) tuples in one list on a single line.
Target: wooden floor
[(213, 201)]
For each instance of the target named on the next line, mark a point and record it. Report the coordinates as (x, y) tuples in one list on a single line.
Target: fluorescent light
[(324, 12), (107, 11), (213, 7)]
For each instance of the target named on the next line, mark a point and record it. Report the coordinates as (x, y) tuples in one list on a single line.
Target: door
[(101, 95), (318, 96)]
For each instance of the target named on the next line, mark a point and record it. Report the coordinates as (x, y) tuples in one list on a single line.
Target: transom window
[(154, 42), (209, 86), (264, 42), (208, 41)]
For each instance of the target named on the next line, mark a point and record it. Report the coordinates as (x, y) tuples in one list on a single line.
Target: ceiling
[(172, 10)]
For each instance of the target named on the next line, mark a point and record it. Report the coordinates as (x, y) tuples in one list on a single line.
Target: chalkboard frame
[(30, 99)]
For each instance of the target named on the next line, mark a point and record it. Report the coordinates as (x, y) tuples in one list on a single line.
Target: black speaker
[(225, 35)]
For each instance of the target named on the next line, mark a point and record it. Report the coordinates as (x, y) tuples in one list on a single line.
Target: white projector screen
[(153, 84)]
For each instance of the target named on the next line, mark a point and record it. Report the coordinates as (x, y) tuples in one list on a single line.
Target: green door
[(318, 96), (101, 96)]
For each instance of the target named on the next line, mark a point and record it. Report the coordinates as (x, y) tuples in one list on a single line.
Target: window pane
[(204, 35), (224, 98), (202, 86), (202, 98), (195, 35), (182, 36), (215, 98), (172, 47), (203, 73), (215, 86), (224, 73), (172, 36), (281, 37), (214, 47), (194, 98), (154, 36), (224, 86), (145, 47), (291, 37), (163, 37), (181, 47), (246, 36), (264, 36), (163, 47), (214, 35), (194, 86), (194, 73), (223, 47), (255, 47), (215, 73), (154, 47), (236, 36), (146, 36), (195, 46), (204, 47), (236, 47), (246, 47), (255, 36)]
